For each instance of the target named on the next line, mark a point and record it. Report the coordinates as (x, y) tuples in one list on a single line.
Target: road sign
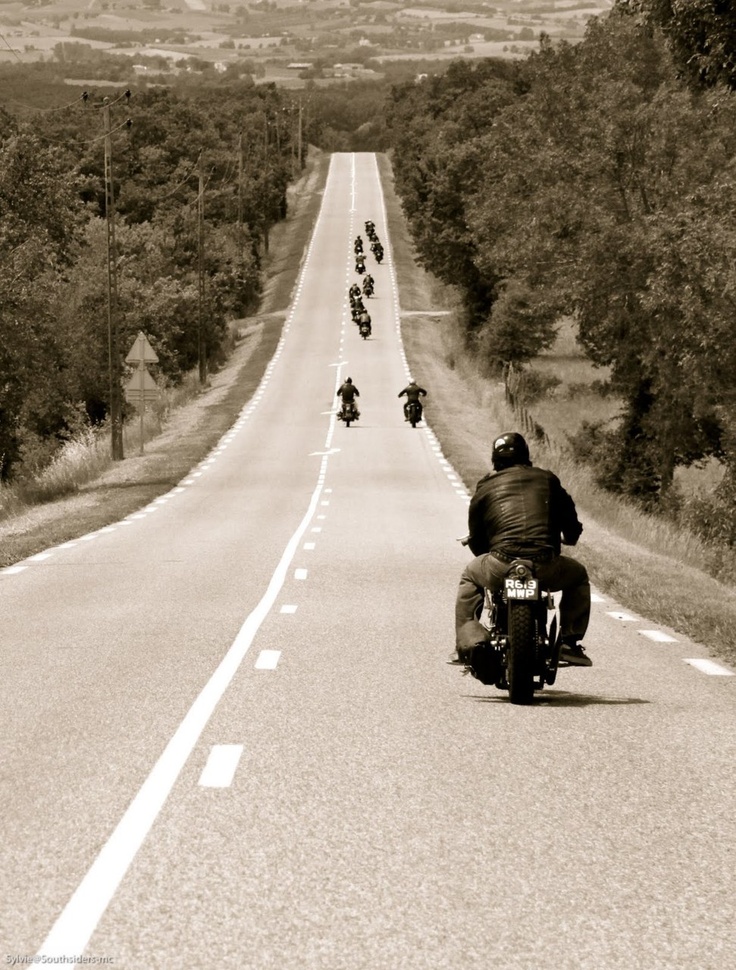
[(141, 388), (141, 352)]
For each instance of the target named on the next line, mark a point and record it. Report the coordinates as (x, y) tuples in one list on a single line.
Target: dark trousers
[(487, 572)]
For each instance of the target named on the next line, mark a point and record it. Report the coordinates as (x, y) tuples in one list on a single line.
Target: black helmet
[(348, 380), (509, 449)]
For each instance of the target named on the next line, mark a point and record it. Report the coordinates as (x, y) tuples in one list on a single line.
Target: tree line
[(595, 181), (234, 146)]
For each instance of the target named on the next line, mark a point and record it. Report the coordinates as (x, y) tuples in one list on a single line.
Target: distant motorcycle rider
[(348, 392), (413, 394), (519, 511)]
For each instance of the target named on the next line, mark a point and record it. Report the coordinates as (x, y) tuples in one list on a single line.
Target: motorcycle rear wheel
[(521, 653)]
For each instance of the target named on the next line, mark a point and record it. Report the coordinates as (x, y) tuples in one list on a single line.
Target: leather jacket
[(522, 511), (412, 392), (348, 393)]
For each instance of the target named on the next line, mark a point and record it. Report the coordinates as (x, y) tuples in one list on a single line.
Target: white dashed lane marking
[(658, 635), (624, 617), (710, 667), (221, 766), (309, 545), (268, 659), (288, 608)]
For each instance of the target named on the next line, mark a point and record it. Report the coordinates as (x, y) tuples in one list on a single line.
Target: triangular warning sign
[(141, 351), (141, 380)]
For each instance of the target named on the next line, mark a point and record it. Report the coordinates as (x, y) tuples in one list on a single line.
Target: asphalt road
[(230, 737)]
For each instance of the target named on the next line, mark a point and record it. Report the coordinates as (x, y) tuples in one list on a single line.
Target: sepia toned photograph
[(368, 484)]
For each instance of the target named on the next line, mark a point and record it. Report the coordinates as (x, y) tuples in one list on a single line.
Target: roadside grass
[(644, 563), (575, 399)]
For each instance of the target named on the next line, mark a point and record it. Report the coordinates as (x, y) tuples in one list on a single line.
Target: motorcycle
[(365, 329), (414, 412), (348, 413), (360, 264), (368, 286), (356, 308), (522, 652), (378, 253), (358, 246)]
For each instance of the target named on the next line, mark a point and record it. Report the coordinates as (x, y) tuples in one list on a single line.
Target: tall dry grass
[(87, 454)]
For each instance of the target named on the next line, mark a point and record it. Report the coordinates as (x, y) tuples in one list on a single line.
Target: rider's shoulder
[(483, 481)]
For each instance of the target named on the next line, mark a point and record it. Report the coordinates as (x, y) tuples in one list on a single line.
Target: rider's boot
[(572, 652)]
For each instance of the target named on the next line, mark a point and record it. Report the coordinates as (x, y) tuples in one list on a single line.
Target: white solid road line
[(221, 766)]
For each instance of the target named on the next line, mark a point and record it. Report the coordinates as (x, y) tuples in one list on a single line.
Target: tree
[(702, 35), (40, 225)]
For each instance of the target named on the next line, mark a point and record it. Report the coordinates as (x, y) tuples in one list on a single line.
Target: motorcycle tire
[(521, 653), (555, 645)]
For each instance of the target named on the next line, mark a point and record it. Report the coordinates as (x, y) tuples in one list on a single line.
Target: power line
[(12, 50), (61, 107)]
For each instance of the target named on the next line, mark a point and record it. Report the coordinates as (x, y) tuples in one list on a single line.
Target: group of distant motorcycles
[(362, 319), (360, 315)]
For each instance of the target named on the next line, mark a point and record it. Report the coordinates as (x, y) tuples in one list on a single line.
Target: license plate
[(522, 589)]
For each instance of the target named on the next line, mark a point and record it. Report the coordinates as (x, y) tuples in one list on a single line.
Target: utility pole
[(201, 342), (113, 343), (240, 193), (300, 143), (265, 172)]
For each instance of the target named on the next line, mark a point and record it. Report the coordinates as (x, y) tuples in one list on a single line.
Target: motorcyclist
[(364, 319), (522, 511), (368, 283), (377, 251), (354, 292), (360, 263), (358, 246), (413, 394), (348, 392)]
